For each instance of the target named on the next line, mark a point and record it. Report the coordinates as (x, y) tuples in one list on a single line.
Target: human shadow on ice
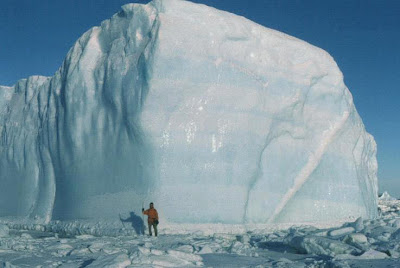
[(136, 221)]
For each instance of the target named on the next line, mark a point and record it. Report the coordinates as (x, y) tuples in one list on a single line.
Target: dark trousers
[(155, 228)]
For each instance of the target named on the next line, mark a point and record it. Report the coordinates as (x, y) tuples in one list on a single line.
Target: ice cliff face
[(209, 115)]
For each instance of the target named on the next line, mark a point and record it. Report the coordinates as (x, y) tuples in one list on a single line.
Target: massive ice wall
[(209, 115)]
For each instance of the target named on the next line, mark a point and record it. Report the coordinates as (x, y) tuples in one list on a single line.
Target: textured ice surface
[(209, 115), (30, 245), (386, 197)]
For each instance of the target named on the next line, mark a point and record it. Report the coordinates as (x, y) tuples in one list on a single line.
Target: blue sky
[(363, 36)]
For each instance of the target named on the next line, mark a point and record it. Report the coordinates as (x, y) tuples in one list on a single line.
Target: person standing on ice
[(152, 218)]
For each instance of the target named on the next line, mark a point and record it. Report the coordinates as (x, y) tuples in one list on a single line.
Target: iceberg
[(214, 118), (386, 197)]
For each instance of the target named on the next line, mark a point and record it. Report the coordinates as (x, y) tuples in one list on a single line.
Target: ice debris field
[(227, 126), (361, 243)]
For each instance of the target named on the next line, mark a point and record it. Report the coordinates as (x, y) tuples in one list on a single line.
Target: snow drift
[(209, 115)]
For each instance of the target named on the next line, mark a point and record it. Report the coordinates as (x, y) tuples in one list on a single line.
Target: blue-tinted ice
[(210, 116)]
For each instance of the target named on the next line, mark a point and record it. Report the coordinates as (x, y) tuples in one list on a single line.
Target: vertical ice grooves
[(144, 65), (256, 176), (47, 187), (312, 163)]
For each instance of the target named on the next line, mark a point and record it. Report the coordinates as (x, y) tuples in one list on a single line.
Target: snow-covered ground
[(362, 243)]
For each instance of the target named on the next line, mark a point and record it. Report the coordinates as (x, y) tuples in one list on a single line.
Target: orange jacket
[(152, 215)]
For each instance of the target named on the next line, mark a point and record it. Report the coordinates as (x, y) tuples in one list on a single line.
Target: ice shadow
[(277, 246), (86, 263), (277, 250), (136, 222)]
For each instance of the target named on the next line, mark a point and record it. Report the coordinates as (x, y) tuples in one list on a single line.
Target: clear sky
[(363, 36)]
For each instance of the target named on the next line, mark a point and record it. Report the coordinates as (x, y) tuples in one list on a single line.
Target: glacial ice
[(212, 117)]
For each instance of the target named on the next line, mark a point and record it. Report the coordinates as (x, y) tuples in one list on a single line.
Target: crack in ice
[(308, 169)]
